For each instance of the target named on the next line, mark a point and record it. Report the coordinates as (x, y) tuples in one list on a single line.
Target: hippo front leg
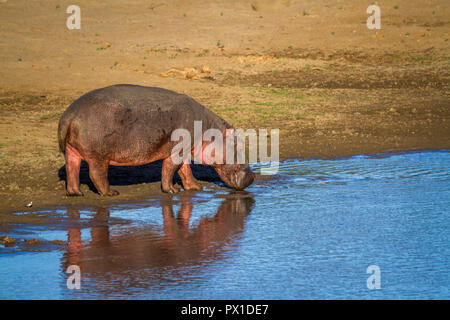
[(189, 182), (168, 170)]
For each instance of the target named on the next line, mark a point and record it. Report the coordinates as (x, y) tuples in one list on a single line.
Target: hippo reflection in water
[(144, 256)]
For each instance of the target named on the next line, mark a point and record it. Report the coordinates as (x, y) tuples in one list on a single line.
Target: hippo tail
[(63, 129)]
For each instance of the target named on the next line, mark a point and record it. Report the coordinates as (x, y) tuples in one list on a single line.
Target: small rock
[(61, 242), (7, 241), (32, 241), (205, 69)]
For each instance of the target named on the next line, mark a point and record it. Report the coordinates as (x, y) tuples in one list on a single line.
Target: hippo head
[(238, 176)]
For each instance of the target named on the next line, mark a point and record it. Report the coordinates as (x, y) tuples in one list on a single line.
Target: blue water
[(309, 232)]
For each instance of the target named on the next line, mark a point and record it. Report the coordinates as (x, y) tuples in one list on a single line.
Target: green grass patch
[(416, 59), (267, 104)]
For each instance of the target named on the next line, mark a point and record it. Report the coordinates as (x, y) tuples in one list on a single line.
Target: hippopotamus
[(131, 125)]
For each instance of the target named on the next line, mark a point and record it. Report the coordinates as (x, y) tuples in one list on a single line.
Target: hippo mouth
[(242, 179), (237, 179)]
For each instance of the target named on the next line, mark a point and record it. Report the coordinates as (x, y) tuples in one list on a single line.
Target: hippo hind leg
[(73, 162), (168, 170), (189, 182), (98, 172)]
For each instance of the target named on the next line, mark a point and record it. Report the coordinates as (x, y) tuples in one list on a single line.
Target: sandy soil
[(311, 68)]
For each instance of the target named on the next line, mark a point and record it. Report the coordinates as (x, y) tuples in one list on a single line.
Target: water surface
[(310, 232)]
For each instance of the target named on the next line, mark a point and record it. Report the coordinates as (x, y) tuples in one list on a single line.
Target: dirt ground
[(311, 68)]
